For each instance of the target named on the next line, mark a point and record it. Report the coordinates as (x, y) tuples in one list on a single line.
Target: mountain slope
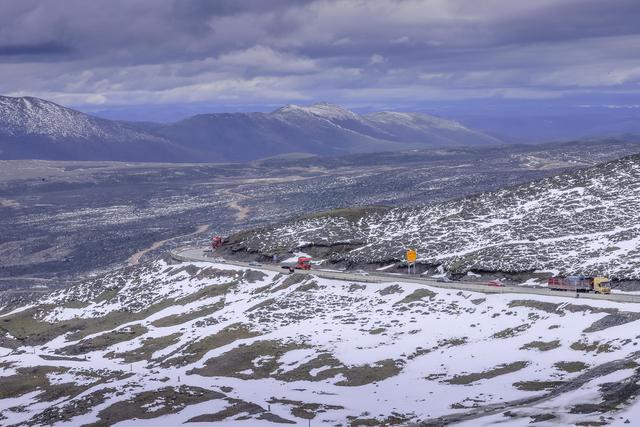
[(322, 129), (582, 222), (168, 343), (34, 128), (416, 127)]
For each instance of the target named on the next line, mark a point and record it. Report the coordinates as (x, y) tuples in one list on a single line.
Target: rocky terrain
[(64, 220), (582, 222), (32, 128), (169, 343)]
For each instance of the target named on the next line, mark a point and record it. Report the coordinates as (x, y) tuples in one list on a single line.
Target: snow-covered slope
[(416, 127), (35, 128), (33, 116), (392, 126), (200, 342), (583, 222)]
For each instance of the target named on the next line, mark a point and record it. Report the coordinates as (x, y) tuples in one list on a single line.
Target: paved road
[(198, 254)]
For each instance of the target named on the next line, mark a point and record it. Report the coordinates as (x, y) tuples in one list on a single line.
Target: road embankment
[(199, 255)]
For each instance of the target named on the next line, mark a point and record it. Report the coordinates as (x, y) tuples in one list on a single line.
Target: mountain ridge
[(35, 128)]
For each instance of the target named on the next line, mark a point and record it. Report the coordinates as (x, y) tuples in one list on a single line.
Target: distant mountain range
[(39, 129)]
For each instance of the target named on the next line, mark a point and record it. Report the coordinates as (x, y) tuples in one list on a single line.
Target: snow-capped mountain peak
[(33, 128), (30, 116), (320, 109), (34, 116)]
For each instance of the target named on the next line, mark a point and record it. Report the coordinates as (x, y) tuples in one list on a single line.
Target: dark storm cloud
[(40, 49), (576, 20), (256, 51), (197, 9)]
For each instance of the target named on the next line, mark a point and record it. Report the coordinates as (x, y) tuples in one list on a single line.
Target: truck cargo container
[(599, 285)]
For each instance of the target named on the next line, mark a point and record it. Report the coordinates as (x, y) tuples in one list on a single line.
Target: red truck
[(304, 263), (216, 242)]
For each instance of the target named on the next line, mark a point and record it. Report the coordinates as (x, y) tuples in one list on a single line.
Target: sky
[(165, 59)]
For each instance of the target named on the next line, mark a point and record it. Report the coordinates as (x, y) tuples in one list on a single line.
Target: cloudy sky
[(258, 54)]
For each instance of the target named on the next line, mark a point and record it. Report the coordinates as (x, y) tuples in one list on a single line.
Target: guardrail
[(179, 255)]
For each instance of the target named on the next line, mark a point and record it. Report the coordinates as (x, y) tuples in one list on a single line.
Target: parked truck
[(216, 242), (304, 263), (599, 285)]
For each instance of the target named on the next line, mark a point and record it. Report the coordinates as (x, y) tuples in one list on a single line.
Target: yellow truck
[(599, 285)]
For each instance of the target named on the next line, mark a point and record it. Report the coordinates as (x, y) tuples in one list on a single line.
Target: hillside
[(581, 222), (322, 129), (170, 343), (63, 220), (35, 128)]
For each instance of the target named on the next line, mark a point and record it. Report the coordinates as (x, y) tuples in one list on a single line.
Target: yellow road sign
[(412, 255)]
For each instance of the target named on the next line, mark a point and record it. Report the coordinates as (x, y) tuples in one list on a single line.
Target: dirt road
[(135, 258)]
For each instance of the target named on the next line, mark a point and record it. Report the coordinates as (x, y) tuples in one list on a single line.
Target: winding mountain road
[(199, 255)]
